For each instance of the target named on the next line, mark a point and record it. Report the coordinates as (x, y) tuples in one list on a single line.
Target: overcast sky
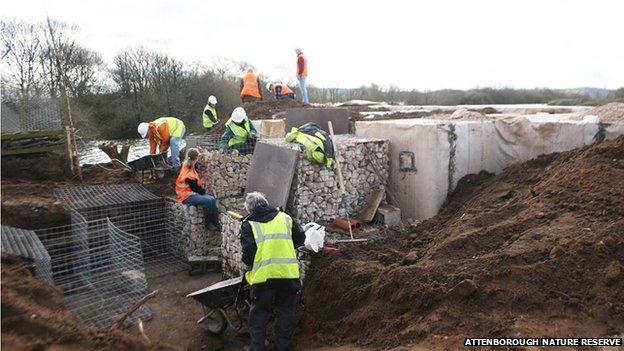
[(411, 44)]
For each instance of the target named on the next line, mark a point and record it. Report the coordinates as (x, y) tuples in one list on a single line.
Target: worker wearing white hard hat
[(209, 117), (162, 133), (239, 133)]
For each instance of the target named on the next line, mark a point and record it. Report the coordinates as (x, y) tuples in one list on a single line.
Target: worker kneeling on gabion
[(318, 145), (269, 239), (190, 190)]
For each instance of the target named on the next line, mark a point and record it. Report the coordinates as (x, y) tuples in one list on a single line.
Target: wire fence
[(37, 113)]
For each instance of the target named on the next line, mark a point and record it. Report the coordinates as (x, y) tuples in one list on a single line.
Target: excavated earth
[(535, 251), (35, 318)]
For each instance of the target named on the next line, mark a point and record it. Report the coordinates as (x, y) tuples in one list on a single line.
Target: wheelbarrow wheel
[(215, 321)]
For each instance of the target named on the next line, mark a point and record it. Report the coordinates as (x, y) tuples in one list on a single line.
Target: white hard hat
[(268, 86), (142, 129), (238, 115), (212, 99)]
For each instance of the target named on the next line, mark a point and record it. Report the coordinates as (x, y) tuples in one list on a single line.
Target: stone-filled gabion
[(315, 193), (196, 239), (226, 172), (231, 252)]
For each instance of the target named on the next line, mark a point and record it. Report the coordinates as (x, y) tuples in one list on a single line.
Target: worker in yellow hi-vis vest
[(269, 239)]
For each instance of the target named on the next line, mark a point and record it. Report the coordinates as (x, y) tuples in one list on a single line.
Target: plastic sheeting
[(428, 157)]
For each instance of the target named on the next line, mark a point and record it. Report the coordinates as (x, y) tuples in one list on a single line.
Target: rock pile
[(195, 239)]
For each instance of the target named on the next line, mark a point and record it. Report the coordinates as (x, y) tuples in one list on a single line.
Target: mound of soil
[(266, 109), (28, 188), (34, 318), (535, 251)]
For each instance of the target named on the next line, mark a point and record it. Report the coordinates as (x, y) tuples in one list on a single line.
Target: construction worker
[(163, 132), (239, 133), (190, 190), (302, 74), (250, 87), (281, 91), (209, 117), (318, 145), (269, 240)]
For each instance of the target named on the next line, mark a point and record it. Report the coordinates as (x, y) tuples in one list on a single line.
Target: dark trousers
[(290, 96), (282, 303), (247, 98)]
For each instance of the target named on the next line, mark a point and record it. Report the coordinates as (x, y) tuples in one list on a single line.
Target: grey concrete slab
[(339, 117), (271, 172)]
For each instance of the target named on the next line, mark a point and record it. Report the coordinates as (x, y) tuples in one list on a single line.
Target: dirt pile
[(34, 318), (266, 109), (465, 114), (535, 251), (28, 185), (611, 112)]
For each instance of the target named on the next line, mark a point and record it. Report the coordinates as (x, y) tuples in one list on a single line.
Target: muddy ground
[(28, 188), (536, 251), (34, 318)]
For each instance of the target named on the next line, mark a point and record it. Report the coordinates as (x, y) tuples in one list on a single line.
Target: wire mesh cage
[(213, 143), (135, 210), (99, 268)]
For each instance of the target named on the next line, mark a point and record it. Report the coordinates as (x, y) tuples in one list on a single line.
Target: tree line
[(108, 99)]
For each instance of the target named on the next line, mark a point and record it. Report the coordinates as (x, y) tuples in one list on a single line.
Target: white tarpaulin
[(428, 157)]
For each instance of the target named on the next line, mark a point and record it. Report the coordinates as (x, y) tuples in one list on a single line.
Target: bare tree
[(21, 47)]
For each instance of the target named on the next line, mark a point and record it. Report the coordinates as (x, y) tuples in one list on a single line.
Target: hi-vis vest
[(276, 257), (176, 127), (250, 86), (183, 190), (208, 123), (240, 134), (314, 146)]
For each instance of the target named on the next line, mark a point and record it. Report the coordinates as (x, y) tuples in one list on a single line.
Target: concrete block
[(389, 215)]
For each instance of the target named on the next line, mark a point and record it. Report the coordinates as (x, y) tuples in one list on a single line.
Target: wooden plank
[(58, 149), (59, 134), (372, 203)]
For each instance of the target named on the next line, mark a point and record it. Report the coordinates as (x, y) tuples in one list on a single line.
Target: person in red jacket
[(302, 74)]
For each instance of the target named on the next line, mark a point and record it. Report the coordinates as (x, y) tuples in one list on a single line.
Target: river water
[(90, 153)]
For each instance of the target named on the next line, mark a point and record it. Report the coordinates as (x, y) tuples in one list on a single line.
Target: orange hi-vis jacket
[(183, 190), (302, 69), (285, 89), (250, 86), (161, 130)]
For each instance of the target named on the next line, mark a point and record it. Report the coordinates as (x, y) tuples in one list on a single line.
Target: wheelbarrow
[(217, 299), (155, 164)]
